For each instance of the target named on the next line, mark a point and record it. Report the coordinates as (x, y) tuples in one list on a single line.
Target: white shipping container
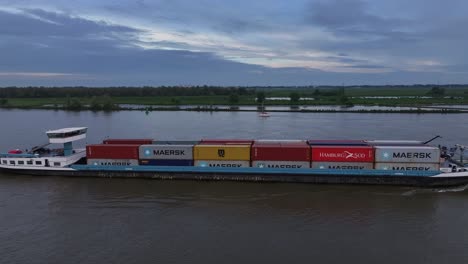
[(281, 164), (166, 152), (343, 165), (222, 163), (112, 162), (408, 166), (407, 154)]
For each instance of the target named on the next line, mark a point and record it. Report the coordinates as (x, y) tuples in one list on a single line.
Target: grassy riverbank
[(223, 100), (111, 98)]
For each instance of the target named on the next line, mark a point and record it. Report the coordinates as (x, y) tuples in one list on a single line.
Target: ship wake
[(436, 190)]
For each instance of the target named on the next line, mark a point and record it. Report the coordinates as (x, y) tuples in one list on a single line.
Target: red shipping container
[(129, 141), (337, 142), (281, 152), (226, 141), (343, 153), (279, 142), (112, 151)]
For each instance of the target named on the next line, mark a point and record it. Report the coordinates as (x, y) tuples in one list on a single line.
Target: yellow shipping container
[(221, 152)]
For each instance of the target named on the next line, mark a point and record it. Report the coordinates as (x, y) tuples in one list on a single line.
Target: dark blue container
[(160, 162)]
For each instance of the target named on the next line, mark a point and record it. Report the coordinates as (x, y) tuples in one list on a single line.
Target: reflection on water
[(304, 107), (138, 221)]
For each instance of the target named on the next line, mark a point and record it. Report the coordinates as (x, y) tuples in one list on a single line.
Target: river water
[(66, 220)]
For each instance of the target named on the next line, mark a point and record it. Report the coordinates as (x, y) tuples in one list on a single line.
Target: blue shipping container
[(159, 162)]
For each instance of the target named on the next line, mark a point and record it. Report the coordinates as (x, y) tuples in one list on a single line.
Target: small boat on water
[(380, 162), (263, 113)]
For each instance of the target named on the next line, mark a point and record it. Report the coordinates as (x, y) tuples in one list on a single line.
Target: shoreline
[(149, 109)]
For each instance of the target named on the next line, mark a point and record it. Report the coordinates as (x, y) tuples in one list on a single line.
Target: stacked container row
[(222, 153), (283, 154), (414, 158), (166, 154), (291, 154), (112, 155), (341, 154)]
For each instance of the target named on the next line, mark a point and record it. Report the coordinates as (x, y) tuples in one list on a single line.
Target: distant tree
[(74, 104), (261, 97), (233, 98), (316, 92), (344, 100), (242, 91), (107, 103), (61, 92), (341, 91), (437, 91), (3, 101), (175, 101), (95, 104), (295, 97), (104, 102)]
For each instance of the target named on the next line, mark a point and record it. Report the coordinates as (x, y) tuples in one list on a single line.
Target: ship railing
[(8, 155)]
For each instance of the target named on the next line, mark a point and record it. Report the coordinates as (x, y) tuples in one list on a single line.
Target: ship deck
[(252, 170)]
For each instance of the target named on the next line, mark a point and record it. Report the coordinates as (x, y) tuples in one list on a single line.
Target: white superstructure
[(65, 135), (43, 157)]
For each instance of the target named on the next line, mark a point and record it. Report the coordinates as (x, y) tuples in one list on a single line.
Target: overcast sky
[(214, 42)]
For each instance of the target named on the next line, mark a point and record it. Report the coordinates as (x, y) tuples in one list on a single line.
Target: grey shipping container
[(113, 162), (343, 165), (222, 163), (409, 154), (408, 166), (168, 152), (281, 164)]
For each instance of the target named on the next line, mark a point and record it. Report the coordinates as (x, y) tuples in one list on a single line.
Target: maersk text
[(171, 152)]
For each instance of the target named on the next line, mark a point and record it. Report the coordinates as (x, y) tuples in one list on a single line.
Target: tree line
[(60, 92)]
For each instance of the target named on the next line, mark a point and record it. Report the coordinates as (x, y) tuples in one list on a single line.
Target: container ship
[(385, 162)]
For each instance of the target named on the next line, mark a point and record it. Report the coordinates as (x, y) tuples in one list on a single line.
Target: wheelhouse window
[(4, 162), (29, 162), (67, 134), (12, 162), (20, 162), (56, 163), (38, 162)]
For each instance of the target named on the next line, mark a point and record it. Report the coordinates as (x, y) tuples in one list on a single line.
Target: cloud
[(37, 22), (66, 46), (37, 74), (264, 42), (218, 16), (352, 18), (351, 22), (366, 66)]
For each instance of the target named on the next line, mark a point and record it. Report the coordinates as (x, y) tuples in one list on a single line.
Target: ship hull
[(257, 176)]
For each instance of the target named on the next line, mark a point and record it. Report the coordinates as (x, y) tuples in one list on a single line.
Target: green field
[(206, 100), (322, 96)]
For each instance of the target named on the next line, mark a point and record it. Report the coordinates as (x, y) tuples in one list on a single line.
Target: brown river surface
[(81, 220)]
